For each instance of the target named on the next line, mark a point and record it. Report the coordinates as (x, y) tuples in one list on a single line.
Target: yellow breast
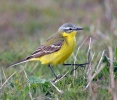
[(65, 51), (60, 56)]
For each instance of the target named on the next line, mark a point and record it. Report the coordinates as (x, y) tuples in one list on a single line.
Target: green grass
[(24, 25)]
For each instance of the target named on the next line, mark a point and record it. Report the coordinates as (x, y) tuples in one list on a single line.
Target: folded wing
[(46, 49)]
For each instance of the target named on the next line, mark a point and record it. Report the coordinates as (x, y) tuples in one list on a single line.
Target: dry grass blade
[(5, 77), (34, 67), (94, 75), (7, 80), (55, 81), (112, 81), (0, 77), (4, 74), (75, 58), (62, 77), (88, 67), (28, 84), (98, 69), (110, 59), (60, 91), (89, 71), (99, 64)]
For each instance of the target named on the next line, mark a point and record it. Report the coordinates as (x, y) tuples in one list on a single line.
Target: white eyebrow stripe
[(68, 27)]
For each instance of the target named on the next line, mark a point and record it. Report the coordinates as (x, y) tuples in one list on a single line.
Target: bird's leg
[(52, 71), (81, 65), (56, 77), (78, 65)]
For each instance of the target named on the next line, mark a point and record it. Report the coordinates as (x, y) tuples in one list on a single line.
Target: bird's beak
[(77, 29)]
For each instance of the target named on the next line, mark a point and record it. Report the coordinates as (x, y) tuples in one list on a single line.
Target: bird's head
[(68, 29)]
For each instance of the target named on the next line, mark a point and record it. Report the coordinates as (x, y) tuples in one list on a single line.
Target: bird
[(56, 49)]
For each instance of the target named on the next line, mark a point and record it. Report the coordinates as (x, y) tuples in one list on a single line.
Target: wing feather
[(46, 49)]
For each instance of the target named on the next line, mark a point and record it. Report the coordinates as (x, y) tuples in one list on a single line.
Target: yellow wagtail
[(57, 48)]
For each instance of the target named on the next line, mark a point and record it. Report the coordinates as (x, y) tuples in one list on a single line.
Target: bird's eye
[(70, 28)]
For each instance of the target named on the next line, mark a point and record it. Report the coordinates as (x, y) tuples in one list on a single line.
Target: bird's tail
[(19, 62)]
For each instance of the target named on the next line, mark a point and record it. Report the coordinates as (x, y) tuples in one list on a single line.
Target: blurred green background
[(25, 24)]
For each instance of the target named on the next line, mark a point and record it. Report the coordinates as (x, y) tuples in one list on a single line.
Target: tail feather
[(19, 62)]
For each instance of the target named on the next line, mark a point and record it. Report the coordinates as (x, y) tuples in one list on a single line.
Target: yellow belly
[(60, 56)]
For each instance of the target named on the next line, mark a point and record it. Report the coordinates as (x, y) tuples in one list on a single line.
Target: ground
[(24, 25)]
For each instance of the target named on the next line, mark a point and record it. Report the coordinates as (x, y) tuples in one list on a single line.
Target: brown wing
[(43, 49)]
